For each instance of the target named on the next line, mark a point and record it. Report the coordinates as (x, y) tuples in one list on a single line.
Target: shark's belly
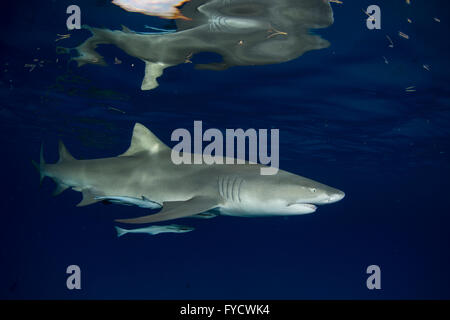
[(239, 210)]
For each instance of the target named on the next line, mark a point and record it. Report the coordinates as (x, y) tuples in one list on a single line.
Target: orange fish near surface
[(167, 9)]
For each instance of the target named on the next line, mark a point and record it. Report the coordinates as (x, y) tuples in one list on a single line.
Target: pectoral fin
[(176, 209), (153, 70)]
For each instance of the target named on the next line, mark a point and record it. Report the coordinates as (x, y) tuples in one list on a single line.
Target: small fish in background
[(391, 44), (116, 110), (62, 36), (166, 9), (274, 32), (31, 66), (152, 230), (403, 35), (427, 67), (188, 58)]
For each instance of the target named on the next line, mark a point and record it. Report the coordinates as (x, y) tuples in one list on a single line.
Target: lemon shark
[(145, 176)]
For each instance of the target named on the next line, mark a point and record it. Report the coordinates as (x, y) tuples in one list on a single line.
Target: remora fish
[(152, 230), (130, 201), (145, 172)]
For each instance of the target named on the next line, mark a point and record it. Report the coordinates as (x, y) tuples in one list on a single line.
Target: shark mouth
[(308, 205)]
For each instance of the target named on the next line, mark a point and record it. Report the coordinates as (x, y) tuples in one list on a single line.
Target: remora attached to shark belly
[(145, 176)]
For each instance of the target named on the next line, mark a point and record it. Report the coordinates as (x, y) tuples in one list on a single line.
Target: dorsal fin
[(64, 155), (144, 140)]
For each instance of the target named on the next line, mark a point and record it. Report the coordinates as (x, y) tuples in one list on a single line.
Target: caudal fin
[(120, 231), (41, 165)]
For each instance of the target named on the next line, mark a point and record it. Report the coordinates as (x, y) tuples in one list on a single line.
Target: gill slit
[(230, 187), (233, 191), (239, 189), (219, 185)]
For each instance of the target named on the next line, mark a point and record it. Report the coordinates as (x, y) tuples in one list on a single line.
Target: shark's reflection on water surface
[(242, 32)]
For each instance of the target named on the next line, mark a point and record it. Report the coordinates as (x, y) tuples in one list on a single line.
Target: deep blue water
[(344, 119)]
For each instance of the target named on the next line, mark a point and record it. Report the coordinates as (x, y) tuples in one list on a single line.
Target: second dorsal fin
[(144, 140)]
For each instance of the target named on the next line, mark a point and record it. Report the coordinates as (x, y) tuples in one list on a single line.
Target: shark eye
[(313, 189)]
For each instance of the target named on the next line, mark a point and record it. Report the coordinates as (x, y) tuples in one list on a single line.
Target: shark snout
[(336, 196)]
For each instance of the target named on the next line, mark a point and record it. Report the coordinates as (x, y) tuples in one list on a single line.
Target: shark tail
[(64, 155), (86, 51), (41, 165), (120, 231)]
